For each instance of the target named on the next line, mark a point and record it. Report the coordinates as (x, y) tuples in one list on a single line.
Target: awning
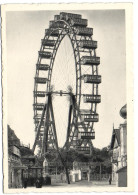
[(36, 167), (19, 167)]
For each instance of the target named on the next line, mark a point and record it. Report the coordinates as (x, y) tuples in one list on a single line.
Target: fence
[(59, 178), (99, 176)]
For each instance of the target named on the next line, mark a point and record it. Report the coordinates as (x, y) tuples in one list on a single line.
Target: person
[(25, 183), (110, 179), (38, 183)]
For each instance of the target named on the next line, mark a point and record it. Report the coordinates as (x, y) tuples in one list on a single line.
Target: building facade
[(119, 151), (14, 167), (23, 166)]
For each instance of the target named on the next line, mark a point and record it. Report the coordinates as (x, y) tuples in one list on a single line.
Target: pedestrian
[(38, 183), (110, 179), (25, 183)]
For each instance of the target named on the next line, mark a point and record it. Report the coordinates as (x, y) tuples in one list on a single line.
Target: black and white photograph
[(67, 101)]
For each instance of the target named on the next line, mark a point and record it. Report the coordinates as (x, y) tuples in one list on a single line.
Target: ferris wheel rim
[(53, 59)]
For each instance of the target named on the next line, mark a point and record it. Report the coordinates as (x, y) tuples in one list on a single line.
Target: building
[(91, 171), (22, 163), (34, 168), (15, 165), (119, 151)]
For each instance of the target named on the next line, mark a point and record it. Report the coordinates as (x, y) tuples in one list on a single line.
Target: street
[(83, 183)]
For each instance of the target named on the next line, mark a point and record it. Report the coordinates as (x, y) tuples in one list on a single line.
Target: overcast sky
[(24, 31)]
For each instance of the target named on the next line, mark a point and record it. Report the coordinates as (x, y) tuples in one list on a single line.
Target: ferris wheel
[(83, 101)]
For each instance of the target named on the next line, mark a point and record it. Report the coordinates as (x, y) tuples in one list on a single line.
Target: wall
[(122, 178)]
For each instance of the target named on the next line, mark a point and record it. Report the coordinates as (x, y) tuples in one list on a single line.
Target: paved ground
[(75, 185), (85, 183)]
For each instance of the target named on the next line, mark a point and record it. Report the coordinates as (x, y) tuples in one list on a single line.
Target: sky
[(24, 31)]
